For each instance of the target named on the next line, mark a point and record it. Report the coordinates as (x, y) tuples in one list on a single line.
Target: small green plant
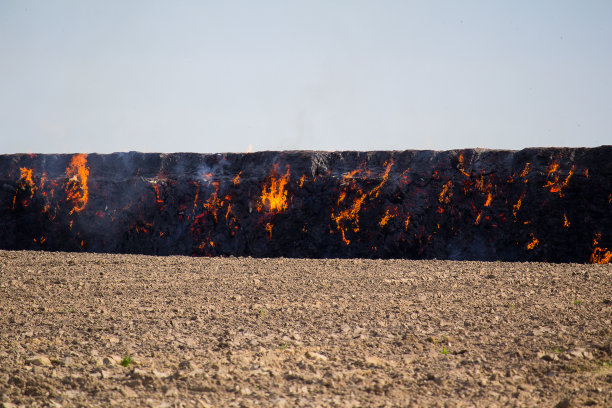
[(127, 360), (559, 350), (445, 350), (262, 311), (284, 346), (577, 302)]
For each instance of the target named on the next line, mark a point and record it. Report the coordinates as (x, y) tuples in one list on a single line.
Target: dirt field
[(282, 332)]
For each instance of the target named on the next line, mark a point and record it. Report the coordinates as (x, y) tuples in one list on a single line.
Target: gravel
[(123, 330)]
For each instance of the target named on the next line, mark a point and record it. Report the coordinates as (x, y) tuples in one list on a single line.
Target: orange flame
[(236, 179), (489, 199), (461, 166), (407, 223), (525, 171), (516, 207), (25, 183), (214, 203), (274, 195), (447, 193), (534, 242), (387, 217), (76, 188), (553, 182), (26, 177), (600, 255), (566, 223), (269, 227), (351, 214)]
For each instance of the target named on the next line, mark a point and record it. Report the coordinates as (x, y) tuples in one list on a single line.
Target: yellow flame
[(76, 189), (566, 223), (274, 195)]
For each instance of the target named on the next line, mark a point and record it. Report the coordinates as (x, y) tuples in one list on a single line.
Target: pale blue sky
[(218, 76)]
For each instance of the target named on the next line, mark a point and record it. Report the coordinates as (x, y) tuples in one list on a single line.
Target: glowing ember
[(447, 193), (76, 187), (461, 166), (351, 215), (236, 179), (566, 223), (269, 228), (600, 255), (525, 171), (553, 183), (533, 243), (387, 217), (516, 207)]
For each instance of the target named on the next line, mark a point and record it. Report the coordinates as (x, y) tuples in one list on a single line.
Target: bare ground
[(284, 332)]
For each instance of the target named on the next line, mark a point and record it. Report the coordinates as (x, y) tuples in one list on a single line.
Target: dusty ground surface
[(281, 332)]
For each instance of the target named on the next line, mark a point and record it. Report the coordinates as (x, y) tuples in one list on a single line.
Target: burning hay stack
[(540, 204)]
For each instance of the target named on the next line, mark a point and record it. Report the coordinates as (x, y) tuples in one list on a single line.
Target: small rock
[(374, 361), (187, 365), (40, 360), (315, 356), (128, 392), (564, 403)]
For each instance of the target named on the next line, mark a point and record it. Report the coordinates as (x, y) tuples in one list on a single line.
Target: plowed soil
[(293, 332)]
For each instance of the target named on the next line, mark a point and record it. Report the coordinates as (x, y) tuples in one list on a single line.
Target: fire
[(478, 219), (158, 198), (25, 183), (553, 182), (214, 203), (301, 182), (274, 196), (351, 214), (26, 178), (269, 227), (566, 223), (407, 223), (534, 242), (447, 193), (489, 199), (516, 207), (600, 255), (236, 179), (461, 166), (525, 171), (387, 217), (76, 187)]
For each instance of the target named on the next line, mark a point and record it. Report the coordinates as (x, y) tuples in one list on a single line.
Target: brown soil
[(284, 332)]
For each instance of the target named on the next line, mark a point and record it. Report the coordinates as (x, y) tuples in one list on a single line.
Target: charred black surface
[(540, 204)]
